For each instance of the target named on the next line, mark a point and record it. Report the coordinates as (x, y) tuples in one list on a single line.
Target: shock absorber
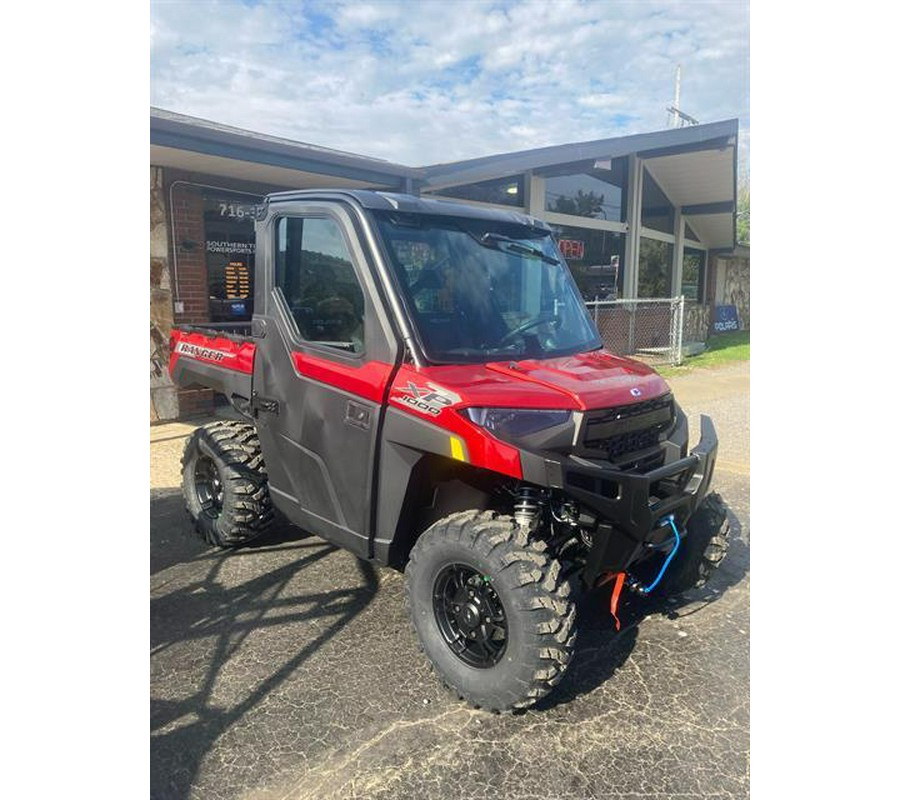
[(527, 507)]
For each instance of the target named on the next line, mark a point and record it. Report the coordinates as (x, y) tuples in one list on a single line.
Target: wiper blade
[(494, 240)]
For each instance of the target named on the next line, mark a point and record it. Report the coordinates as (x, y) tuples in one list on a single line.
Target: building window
[(230, 249), (596, 190), (593, 257), (693, 274), (314, 271), (502, 192), (656, 210), (655, 268), (689, 233)]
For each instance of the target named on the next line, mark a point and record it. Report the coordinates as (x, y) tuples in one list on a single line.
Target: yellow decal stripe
[(456, 449)]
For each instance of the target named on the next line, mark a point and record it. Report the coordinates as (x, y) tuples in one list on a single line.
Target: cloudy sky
[(441, 80)]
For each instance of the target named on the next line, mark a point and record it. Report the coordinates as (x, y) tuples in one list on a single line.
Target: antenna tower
[(677, 118)]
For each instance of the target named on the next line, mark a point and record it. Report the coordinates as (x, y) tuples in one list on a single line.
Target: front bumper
[(635, 503), (631, 506)]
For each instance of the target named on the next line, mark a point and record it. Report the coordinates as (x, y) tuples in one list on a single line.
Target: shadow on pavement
[(173, 541), (601, 650), (204, 608)]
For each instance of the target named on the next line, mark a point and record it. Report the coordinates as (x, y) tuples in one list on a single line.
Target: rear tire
[(488, 559), (225, 484), (702, 550)]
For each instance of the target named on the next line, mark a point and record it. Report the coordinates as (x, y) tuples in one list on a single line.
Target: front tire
[(704, 548), (225, 484), (490, 610)]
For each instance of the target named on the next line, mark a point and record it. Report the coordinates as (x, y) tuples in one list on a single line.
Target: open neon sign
[(572, 248)]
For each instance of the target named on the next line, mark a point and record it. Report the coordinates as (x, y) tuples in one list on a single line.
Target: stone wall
[(163, 395), (696, 322), (737, 288)]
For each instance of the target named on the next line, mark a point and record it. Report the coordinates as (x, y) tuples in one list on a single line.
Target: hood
[(593, 380), (596, 379)]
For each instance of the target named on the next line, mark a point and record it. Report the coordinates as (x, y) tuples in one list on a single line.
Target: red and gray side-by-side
[(420, 380)]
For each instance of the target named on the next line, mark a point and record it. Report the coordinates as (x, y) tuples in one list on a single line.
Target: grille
[(614, 433)]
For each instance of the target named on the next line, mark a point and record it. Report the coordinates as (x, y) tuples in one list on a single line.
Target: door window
[(314, 271)]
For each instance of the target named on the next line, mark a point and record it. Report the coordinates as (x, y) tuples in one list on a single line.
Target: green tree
[(655, 269), (584, 204)]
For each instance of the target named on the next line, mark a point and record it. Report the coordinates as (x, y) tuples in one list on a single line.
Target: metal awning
[(198, 145), (702, 184), (695, 166)]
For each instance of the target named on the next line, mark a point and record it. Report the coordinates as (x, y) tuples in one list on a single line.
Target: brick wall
[(188, 244), (188, 253)]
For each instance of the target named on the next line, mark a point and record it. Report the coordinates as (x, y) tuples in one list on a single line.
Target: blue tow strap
[(671, 520)]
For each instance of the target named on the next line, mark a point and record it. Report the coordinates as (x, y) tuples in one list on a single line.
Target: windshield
[(480, 290)]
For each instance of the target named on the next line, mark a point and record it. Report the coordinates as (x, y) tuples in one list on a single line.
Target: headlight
[(513, 422)]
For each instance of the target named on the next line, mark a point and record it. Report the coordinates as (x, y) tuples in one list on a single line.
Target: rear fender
[(221, 363)]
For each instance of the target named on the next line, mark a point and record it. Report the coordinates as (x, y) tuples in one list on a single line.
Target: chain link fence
[(648, 329)]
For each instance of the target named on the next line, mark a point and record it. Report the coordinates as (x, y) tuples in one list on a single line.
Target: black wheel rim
[(470, 615), (208, 485)]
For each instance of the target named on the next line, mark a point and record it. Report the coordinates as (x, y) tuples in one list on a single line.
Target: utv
[(422, 385)]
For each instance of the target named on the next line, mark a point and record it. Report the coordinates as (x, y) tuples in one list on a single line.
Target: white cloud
[(602, 100), (438, 81)]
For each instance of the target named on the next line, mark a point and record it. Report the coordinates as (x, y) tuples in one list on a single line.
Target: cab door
[(325, 355)]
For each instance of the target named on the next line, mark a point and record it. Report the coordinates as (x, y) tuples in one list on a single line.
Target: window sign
[(231, 248), (593, 257), (726, 319), (572, 248), (232, 210), (230, 251), (237, 280)]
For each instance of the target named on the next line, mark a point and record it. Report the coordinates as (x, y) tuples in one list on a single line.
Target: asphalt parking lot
[(287, 670)]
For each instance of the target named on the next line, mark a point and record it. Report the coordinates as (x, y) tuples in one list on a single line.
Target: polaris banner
[(726, 319)]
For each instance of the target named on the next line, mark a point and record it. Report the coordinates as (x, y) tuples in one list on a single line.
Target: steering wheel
[(525, 326)]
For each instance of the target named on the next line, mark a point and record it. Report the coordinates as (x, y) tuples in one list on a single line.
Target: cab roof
[(410, 204)]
